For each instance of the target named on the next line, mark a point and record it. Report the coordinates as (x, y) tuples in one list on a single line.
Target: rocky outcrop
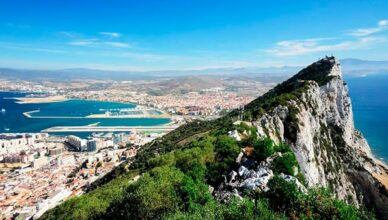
[(251, 176), (330, 151), (318, 125)]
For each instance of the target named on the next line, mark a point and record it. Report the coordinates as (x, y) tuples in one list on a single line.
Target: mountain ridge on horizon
[(350, 66)]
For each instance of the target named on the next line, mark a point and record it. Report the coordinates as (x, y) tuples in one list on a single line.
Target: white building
[(41, 161), (66, 160), (13, 143), (79, 143)]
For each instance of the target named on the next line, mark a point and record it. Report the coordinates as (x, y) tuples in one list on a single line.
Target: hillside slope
[(185, 84), (275, 152), (312, 112)]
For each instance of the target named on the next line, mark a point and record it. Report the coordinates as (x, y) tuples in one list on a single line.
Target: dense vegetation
[(176, 186), (176, 171)]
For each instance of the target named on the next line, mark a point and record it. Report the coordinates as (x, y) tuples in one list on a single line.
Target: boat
[(6, 129), (3, 110)]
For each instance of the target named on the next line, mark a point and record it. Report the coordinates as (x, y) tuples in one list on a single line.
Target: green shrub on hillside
[(282, 195), (283, 148), (317, 203), (226, 151), (263, 148), (286, 163), (234, 210), (153, 195)]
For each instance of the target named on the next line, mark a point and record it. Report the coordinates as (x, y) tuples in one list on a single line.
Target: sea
[(13, 120), (369, 96)]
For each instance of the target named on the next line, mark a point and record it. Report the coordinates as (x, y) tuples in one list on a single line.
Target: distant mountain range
[(359, 67), (350, 67)]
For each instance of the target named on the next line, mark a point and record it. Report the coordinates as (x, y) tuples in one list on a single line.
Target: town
[(191, 101), (39, 171)]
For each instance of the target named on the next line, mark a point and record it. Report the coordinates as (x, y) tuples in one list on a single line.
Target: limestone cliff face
[(330, 151)]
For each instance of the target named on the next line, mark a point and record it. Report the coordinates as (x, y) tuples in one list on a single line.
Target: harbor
[(36, 117), (138, 112)]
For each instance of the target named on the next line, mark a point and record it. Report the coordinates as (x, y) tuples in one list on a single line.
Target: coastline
[(163, 121), (60, 98), (104, 115), (52, 99), (28, 115)]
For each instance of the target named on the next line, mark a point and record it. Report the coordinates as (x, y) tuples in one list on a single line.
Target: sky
[(179, 35)]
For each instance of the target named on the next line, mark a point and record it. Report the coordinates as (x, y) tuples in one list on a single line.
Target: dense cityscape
[(39, 170)]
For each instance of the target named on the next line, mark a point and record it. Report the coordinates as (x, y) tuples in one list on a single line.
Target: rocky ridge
[(317, 122)]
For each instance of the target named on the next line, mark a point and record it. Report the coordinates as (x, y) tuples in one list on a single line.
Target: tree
[(226, 149), (153, 195), (263, 148), (282, 195), (286, 163)]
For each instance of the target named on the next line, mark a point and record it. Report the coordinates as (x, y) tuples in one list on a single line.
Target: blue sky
[(176, 34)]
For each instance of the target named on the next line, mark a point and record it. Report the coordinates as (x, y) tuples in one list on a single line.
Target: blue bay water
[(14, 121), (370, 108), (77, 108)]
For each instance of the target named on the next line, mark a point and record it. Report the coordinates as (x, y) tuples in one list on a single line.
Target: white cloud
[(25, 47), (306, 46), (95, 42), (145, 57), (360, 39), (361, 32), (18, 26), (69, 34), (383, 23), (85, 42), (134, 55), (117, 44), (111, 34)]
